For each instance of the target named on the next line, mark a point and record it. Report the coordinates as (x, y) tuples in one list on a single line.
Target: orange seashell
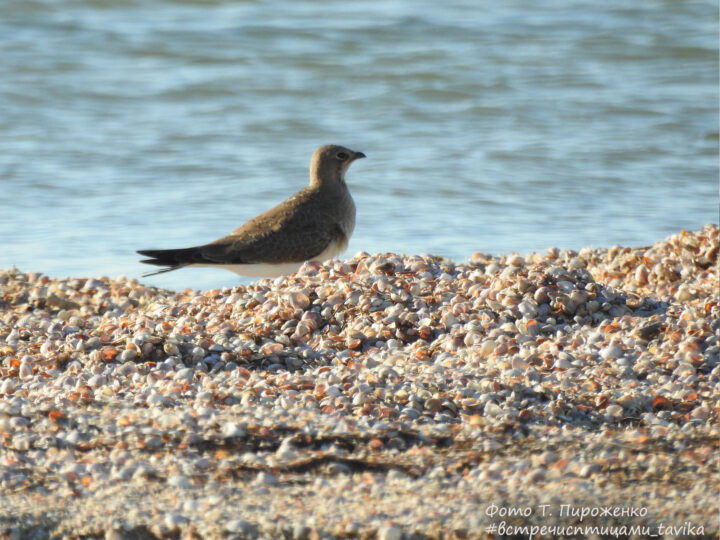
[(425, 333), (364, 410), (108, 355), (243, 371), (386, 411), (55, 415), (375, 445), (222, 454), (660, 402)]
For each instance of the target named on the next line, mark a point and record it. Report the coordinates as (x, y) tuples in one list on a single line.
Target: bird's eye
[(342, 156)]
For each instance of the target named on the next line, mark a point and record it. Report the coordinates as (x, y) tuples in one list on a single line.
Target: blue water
[(493, 127)]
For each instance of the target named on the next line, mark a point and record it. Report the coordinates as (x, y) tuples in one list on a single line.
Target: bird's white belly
[(275, 270), (258, 270)]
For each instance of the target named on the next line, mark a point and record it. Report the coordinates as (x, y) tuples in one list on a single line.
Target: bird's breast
[(347, 219)]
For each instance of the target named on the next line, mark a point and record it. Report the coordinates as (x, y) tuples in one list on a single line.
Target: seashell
[(528, 309), (299, 300), (614, 410), (515, 260), (25, 372), (541, 295)]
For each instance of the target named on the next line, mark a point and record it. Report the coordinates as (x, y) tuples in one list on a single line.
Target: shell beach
[(383, 396)]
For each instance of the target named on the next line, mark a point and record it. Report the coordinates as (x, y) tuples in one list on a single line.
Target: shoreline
[(382, 395)]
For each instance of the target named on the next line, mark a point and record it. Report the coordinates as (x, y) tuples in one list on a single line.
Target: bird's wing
[(291, 244), (274, 247), (293, 231)]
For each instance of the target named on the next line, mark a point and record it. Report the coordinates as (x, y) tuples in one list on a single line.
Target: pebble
[(405, 393), (239, 526), (179, 481), (173, 521), (389, 533)]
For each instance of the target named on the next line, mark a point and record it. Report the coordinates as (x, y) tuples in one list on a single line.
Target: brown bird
[(314, 224)]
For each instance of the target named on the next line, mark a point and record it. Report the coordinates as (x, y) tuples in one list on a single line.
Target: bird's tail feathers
[(172, 258)]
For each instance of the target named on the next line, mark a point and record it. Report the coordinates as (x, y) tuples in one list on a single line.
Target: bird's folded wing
[(295, 245)]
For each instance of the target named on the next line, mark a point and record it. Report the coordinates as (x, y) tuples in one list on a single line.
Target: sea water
[(489, 126)]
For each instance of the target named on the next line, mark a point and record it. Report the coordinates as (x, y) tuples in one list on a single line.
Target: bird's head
[(329, 163)]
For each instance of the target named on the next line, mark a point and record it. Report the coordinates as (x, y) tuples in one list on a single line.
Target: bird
[(314, 224)]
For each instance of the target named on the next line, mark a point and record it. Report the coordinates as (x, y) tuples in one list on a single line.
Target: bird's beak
[(359, 155)]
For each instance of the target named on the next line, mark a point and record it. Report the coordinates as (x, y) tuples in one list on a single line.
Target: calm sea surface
[(489, 126)]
